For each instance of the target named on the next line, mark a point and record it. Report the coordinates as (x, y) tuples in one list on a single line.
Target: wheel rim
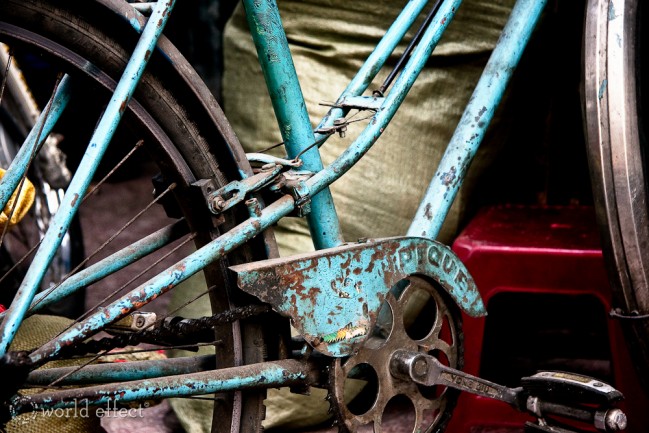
[(617, 157)]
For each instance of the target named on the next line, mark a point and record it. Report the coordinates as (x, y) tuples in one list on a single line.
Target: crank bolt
[(140, 321), (406, 365), (616, 420), (613, 420)]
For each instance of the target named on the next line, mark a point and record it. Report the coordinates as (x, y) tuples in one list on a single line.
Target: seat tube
[(290, 110)]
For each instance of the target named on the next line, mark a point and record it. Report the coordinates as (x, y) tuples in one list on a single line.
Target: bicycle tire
[(185, 130), (614, 76)]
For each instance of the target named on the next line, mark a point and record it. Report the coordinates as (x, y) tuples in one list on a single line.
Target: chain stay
[(170, 331)]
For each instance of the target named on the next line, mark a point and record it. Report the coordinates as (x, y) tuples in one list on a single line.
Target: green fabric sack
[(329, 41)]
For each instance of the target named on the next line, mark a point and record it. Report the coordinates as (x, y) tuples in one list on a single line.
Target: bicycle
[(215, 199)]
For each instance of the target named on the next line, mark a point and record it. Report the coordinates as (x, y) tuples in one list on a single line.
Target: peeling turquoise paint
[(602, 89), (87, 167), (333, 296), (475, 120)]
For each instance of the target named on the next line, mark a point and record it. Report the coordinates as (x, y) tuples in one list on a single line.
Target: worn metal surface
[(40, 131), (428, 371), (110, 264), (290, 110), (613, 44), (264, 375), (236, 191), (333, 296), (392, 100), (375, 61), (361, 102), (167, 279), (439, 332), (476, 118), (121, 371), (87, 167)]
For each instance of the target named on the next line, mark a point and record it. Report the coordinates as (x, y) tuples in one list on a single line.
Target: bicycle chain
[(170, 331)]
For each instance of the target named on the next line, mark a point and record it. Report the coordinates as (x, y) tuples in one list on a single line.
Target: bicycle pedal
[(561, 387)]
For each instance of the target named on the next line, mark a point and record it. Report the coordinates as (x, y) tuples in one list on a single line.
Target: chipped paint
[(263, 375), (365, 272), (80, 182), (393, 99), (473, 125), (290, 110), (602, 89), (611, 11)]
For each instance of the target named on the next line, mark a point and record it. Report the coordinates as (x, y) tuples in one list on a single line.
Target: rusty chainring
[(415, 316)]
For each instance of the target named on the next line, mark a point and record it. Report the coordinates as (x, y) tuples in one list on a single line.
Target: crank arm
[(545, 394), (428, 371)]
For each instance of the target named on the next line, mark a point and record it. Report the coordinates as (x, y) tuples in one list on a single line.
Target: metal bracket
[(333, 296), (134, 322), (295, 184), (236, 191), (362, 102)]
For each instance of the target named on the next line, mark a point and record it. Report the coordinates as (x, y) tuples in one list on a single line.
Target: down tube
[(293, 119), (476, 118)]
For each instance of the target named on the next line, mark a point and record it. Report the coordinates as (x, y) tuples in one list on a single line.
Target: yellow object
[(22, 203)]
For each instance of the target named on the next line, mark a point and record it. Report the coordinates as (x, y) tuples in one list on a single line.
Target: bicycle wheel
[(183, 130), (616, 78)]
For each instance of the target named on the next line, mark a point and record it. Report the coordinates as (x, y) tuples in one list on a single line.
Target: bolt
[(598, 384), (218, 203), (139, 322), (420, 367), (616, 420)]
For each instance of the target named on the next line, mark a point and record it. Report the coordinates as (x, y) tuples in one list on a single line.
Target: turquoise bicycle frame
[(300, 139)]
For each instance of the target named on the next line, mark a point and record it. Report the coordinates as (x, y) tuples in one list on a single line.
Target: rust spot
[(74, 199), (147, 55), (428, 212), (122, 107), (448, 178), (482, 111)]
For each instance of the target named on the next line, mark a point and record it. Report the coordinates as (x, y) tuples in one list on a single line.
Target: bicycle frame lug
[(333, 296)]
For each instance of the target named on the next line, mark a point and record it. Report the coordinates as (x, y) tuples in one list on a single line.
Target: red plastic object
[(542, 251)]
